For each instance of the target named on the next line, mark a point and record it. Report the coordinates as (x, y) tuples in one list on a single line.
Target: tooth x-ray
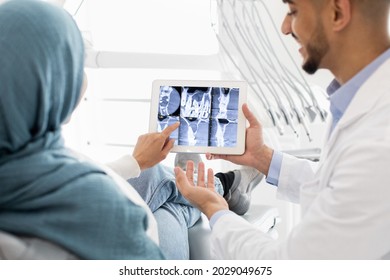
[(208, 111), (208, 116)]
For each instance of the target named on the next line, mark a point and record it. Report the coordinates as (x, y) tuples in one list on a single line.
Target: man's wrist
[(265, 158)]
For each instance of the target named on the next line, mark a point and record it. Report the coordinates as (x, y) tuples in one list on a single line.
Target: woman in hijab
[(46, 191), (49, 192)]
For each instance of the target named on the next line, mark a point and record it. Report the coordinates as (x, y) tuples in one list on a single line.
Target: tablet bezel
[(242, 97)]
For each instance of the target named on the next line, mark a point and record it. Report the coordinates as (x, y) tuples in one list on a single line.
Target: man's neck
[(352, 62)]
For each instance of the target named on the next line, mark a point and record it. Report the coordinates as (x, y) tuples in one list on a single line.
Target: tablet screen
[(209, 113), (208, 116)]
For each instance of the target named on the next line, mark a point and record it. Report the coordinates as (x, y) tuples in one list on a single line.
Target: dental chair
[(14, 247)]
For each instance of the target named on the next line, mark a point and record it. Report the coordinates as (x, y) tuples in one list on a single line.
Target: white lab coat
[(345, 202)]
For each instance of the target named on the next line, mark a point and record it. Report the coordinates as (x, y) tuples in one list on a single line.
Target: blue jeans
[(174, 214)]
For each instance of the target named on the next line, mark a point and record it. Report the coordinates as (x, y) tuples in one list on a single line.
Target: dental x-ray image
[(208, 116)]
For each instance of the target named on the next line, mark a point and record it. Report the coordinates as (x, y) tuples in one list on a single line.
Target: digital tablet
[(209, 112)]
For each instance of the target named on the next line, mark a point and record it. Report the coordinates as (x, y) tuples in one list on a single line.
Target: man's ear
[(341, 14)]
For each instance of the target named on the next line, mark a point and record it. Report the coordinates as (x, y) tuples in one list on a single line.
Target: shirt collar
[(341, 96)]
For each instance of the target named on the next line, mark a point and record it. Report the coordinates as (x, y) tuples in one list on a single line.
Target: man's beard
[(316, 50)]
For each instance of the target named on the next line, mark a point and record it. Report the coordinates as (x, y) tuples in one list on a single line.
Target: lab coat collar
[(341, 96), (365, 99)]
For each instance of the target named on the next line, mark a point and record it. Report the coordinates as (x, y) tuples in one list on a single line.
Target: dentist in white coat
[(346, 199)]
